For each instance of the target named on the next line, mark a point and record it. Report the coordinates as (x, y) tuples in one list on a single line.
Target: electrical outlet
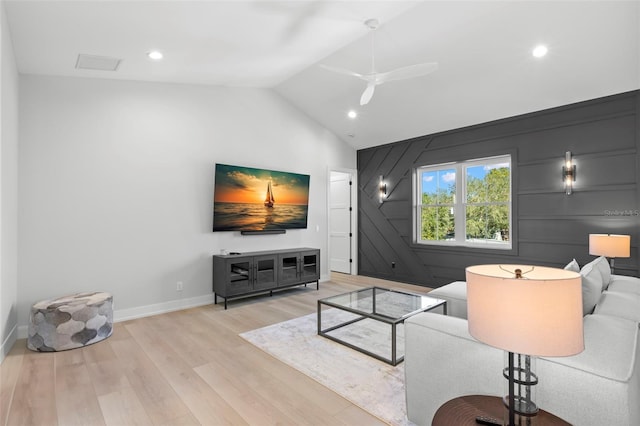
[(179, 286)]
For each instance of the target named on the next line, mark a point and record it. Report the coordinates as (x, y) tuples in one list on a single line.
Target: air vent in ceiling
[(98, 63)]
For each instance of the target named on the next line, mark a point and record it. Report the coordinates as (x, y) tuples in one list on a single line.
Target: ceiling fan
[(375, 78)]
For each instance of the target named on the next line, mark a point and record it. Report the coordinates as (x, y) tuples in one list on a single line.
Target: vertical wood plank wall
[(549, 227)]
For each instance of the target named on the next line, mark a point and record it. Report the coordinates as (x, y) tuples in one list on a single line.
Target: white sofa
[(600, 386)]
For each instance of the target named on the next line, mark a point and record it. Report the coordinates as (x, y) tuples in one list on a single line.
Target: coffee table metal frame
[(427, 303)]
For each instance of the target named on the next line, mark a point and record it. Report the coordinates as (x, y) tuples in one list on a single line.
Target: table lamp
[(526, 311), (610, 245)]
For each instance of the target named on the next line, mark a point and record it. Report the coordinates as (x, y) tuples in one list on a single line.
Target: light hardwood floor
[(187, 367)]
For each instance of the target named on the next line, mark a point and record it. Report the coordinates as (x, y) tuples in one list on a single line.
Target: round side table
[(462, 411)]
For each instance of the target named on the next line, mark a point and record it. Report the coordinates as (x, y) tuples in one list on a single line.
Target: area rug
[(371, 384)]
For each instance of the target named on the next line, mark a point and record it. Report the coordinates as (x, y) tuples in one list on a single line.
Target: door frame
[(354, 216)]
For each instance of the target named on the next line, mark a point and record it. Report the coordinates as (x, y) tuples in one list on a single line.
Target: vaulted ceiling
[(483, 50)]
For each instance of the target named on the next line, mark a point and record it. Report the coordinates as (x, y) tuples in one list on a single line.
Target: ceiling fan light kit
[(372, 23), (375, 78)]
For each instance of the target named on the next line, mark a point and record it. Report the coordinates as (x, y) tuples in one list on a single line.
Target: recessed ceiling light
[(352, 114), (539, 51), (155, 55)]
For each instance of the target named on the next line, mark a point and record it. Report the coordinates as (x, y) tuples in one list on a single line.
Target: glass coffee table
[(367, 320)]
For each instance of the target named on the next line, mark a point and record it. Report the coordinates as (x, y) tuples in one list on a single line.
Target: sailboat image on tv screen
[(269, 200), (244, 199)]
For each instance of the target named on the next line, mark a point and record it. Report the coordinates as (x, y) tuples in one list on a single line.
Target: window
[(466, 203)]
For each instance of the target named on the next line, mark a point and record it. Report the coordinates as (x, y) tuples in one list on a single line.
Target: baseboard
[(161, 308), (146, 311), (137, 312), (8, 343)]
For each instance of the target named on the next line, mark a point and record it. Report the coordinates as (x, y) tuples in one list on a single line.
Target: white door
[(340, 222)]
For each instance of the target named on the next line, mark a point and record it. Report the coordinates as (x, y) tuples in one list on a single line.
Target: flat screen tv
[(254, 200)]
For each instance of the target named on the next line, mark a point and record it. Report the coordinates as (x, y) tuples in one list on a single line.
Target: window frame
[(460, 204)]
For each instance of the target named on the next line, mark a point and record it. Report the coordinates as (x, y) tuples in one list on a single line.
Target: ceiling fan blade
[(410, 71), (368, 93), (341, 71)]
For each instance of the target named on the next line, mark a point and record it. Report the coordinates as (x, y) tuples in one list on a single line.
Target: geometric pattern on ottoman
[(70, 322)]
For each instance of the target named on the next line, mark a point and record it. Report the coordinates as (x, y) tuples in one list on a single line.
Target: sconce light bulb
[(382, 189), (568, 173)]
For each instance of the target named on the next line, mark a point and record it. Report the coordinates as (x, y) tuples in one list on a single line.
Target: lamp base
[(521, 381)]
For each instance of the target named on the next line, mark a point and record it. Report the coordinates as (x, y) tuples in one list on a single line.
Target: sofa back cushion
[(610, 348), (591, 287), (624, 284), (621, 305)]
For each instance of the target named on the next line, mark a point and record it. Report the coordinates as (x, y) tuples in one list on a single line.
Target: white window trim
[(460, 197)]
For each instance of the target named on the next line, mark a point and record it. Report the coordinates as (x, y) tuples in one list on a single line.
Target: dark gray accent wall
[(549, 227)]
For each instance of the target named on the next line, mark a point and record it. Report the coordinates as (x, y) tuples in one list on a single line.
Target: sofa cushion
[(624, 284), (610, 346), (573, 266), (591, 287), (621, 305), (599, 386), (605, 270), (455, 294)]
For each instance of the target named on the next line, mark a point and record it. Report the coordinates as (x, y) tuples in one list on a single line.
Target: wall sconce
[(382, 189), (568, 173)]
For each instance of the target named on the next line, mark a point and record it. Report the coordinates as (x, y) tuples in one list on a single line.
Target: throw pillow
[(600, 263), (605, 271), (573, 266), (591, 287)]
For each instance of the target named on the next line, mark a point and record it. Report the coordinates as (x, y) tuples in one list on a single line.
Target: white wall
[(116, 185), (8, 190)]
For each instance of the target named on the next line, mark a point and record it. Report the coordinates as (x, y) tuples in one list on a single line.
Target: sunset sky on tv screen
[(235, 184)]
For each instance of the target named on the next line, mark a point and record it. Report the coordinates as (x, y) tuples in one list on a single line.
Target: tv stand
[(251, 273)]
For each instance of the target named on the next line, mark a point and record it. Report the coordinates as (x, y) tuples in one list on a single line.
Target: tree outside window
[(466, 203), (438, 204)]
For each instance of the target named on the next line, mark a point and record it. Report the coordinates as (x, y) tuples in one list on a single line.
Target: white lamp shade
[(609, 245), (539, 314)]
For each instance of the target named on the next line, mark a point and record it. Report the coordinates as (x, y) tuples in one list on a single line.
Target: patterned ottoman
[(70, 322)]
